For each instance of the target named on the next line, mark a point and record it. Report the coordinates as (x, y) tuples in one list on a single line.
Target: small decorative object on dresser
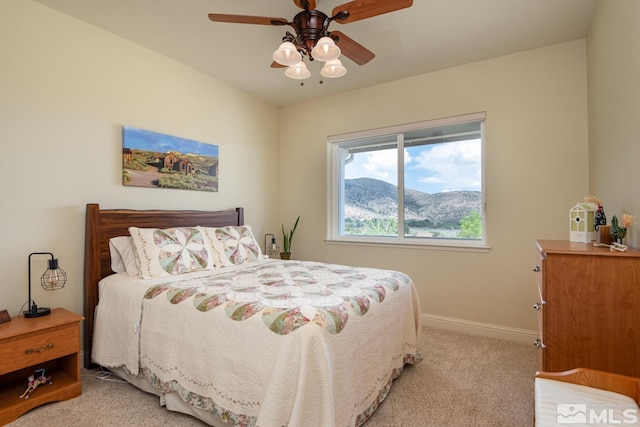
[(27, 346), (618, 233), (582, 222)]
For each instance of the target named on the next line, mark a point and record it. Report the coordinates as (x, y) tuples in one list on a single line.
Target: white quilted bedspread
[(270, 343)]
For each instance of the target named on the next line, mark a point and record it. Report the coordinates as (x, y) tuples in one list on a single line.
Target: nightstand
[(51, 342)]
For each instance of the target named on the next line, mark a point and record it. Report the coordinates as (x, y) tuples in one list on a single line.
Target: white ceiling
[(431, 35)]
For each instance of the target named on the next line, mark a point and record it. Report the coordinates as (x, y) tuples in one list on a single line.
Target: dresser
[(588, 307), (51, 342)]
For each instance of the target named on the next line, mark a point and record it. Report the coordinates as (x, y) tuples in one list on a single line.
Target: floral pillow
[(171, 251), (233, 245)]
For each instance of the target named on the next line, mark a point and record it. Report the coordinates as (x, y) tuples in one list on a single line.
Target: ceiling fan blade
[(275, 64), (352, 49), (301, 4), (244, 19), (362, 9)]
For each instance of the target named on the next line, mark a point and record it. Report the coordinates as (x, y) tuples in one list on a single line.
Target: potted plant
[(287, 238)]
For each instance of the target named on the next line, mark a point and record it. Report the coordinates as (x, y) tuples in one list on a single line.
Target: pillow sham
[(117, 264), (171, 251), (123, 256), (233, 245)]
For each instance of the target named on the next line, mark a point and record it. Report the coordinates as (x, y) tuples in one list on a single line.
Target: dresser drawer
[(27, 350)]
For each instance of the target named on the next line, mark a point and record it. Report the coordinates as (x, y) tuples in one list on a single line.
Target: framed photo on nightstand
[(4, 316)]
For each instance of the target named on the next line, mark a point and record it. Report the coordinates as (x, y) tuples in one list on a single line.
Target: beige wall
[(614, 109), (66, 89), (536, 170)]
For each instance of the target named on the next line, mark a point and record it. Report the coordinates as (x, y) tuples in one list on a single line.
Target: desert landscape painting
[(156, 160)]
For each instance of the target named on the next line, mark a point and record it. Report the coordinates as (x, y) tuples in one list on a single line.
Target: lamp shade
[(287, 54), (325, 50), (333, 69), (298, 71), (54, 278)]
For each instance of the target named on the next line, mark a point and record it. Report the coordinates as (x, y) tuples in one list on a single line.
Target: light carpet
[(463, 380)]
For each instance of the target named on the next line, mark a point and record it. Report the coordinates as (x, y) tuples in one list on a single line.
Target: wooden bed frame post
[(91, 275)]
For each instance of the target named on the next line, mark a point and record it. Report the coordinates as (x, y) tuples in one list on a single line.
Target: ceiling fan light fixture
[(311, 37), (298, 71), (325, 50), (287, 54), (333, 69)]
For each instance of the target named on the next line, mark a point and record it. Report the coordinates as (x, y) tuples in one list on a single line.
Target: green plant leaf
[(287, 236)]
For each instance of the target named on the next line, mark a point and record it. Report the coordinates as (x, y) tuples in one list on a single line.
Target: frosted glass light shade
[(298, 71), (333, 69), (287, 54), (325, 50)]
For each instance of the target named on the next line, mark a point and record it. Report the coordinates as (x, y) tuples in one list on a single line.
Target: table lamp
[(52, 279)]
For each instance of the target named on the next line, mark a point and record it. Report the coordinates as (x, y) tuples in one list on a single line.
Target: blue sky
[(146, 140), (428, 168)]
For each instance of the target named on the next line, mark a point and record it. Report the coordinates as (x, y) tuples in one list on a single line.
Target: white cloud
[(383, 164), (456, 164), (429, 168)]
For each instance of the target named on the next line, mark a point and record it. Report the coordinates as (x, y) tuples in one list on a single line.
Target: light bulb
[(325, 50), (287, 54), (52, 278), (298, 71), (274, 250), (333, 69)]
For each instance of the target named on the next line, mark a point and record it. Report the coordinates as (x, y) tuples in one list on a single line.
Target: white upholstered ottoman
[(558, 403)]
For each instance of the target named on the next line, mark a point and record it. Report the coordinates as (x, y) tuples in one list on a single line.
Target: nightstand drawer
[(40, 347)]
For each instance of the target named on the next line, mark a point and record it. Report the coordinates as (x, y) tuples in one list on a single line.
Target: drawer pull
[(536, 269), (43, 348), (537, 306)]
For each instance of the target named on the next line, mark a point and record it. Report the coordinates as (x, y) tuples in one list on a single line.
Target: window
[(420, 183)]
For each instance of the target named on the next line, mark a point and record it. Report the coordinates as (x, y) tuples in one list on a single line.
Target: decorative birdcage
[(581, 223)]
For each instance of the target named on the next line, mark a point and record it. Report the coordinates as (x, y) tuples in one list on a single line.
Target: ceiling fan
[(312, 38)]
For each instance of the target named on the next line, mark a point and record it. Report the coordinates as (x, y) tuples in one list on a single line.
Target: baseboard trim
[(524, 336)]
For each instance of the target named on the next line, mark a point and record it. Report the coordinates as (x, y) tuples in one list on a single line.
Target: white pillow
[(171, 251), (123, 256), (233, 245)]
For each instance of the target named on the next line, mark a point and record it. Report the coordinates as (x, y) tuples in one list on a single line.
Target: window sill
[(448, 246)]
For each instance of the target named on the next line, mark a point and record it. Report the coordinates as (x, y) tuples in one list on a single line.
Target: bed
[(240, 339)]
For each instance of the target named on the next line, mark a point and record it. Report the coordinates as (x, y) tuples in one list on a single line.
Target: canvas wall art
[(151, 159)]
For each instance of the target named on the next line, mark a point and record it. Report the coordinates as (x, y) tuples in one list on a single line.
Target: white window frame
[(335, 182)]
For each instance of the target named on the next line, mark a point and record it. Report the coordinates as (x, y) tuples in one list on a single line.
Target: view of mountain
[(367, 198)]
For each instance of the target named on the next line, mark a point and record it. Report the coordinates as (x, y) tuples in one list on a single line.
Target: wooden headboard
[(102, 225)]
